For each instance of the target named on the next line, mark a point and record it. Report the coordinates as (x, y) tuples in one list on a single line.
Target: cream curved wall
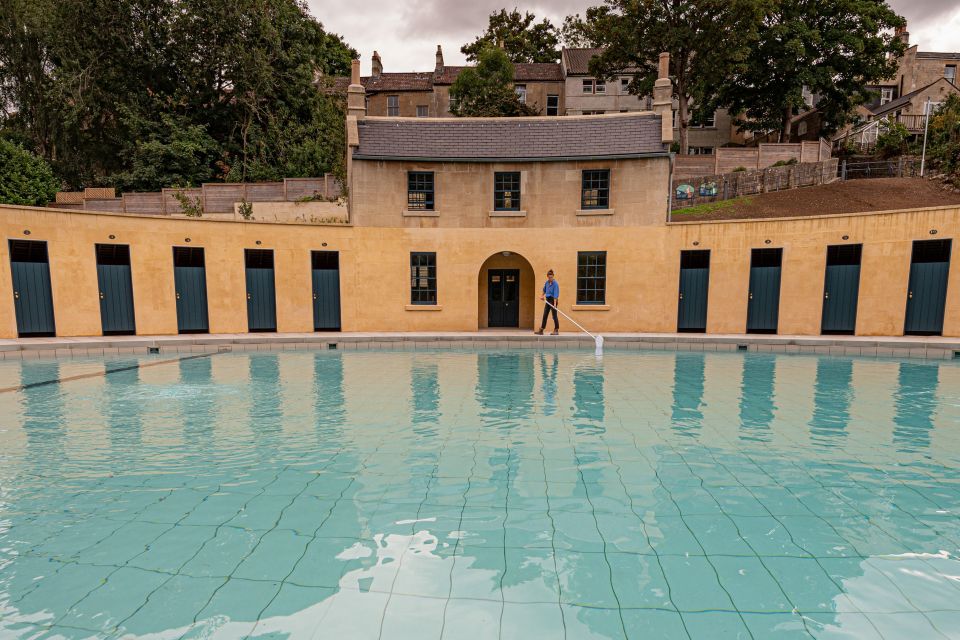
[(642, 275)]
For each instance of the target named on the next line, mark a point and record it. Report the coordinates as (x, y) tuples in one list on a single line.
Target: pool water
[(481, 494)]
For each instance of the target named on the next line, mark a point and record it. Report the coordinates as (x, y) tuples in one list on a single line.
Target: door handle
[(681, 296), (16, 295), (248, 297), (314, 296), (751, 295), (910, 295), (826, 295), (178, 295), (101, 295)]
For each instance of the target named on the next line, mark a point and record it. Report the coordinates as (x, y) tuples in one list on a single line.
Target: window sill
[(423, 307), (421, 214), (508, 214), (590, 307), (594, 212)]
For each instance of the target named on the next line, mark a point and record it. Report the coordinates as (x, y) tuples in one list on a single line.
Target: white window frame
[(599, 86), (556, 107), (588, 87), (886, 95), (521, 91), (951, 77)]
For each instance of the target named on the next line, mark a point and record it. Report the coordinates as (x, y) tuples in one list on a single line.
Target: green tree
[(486, 90), (943, 137), (894, 141), (833, 48), (93, 86), (706, 40), (524, 39), (24, 177)]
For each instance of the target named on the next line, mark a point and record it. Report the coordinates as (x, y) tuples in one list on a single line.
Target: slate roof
[(938, 55), (509, 139), (578, 60)]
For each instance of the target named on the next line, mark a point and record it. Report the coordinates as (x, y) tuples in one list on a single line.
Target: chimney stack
[(902, 34), (663, 99), (439, 66), (376, 66), (356, 94)]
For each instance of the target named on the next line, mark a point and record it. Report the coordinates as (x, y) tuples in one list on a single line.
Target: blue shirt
[(551, 289)]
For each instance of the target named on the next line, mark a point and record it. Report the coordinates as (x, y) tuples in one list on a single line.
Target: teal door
[(32, 295), (763, 305), (694, 281), (841, 289), (190, 283), (116, 289), (927, 291), (261, 293), (326, 290)]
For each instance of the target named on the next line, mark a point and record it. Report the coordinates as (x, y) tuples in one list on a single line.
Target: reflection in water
[(689, 376), (328, 397), (548, 381), (916, 404), (425, 398), (756, 397), (505, 388), (197, 407), (832, 394), (562, 489), (588, 403)]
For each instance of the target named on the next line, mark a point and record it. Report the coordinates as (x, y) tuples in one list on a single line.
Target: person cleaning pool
[(551, 293)]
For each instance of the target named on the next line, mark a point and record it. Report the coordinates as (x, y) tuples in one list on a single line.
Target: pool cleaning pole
[(598, 340)]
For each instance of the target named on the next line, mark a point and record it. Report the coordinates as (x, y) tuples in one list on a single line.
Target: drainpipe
[(926, 126), (670, 191)]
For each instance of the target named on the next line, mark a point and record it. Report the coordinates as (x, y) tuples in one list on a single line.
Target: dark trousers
[(547, 309)]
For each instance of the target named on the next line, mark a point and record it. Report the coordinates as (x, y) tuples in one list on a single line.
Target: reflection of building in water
[(756, 397), (688, 384), (916, 404), (832, 393)]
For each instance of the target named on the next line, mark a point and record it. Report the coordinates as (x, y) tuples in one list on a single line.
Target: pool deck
[(935, 347)]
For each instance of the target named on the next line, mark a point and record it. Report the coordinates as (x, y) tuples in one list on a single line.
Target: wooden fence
[(689, 192), (212, 198), (726, 159)]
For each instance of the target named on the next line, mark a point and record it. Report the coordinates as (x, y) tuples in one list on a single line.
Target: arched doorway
[(506, 292)]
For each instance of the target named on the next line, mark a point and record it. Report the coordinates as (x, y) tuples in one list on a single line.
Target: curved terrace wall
[(642, 272)]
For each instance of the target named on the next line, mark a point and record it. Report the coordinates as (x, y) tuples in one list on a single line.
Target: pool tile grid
[(583, 469)]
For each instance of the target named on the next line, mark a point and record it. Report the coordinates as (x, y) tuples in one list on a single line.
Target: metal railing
[(894, 168)]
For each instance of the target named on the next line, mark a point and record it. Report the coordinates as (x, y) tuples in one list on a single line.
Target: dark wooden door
[(32, 294), (503, 298), (927, 291), (841, 289), (190, 282), (326, 290), (116, 289), (694, 283), (261, 291), (763, 305)]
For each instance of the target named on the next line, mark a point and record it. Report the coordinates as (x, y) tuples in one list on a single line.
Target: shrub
[(738, 169), (785, 163), (943, 140), (25, 178), (893, 142)]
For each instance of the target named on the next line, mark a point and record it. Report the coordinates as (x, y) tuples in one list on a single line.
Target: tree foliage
[(833, 48), (943, 137), (524, 39), (218, 89), (706, 40), (486, 90), (894, 141), (25, 178)]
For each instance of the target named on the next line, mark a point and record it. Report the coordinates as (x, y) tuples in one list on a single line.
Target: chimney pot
[(355, 72), (439, 66), (664, 67), (376, 65)]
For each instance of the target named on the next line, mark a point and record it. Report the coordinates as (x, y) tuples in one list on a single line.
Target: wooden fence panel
[(143, 203), (265, 192), (220, 198), (106, 206)]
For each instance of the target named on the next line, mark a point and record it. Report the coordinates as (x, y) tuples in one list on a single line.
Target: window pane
[(596, 189), (506, 191), (423, 278), (591, 277), (420, 190)]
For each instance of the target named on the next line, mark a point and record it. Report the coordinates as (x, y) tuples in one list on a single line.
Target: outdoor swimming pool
[(485, 494)]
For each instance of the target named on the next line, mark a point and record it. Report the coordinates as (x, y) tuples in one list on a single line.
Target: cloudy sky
[(407, 32)]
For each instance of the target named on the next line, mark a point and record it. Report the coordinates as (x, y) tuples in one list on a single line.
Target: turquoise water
[(480, 495)]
